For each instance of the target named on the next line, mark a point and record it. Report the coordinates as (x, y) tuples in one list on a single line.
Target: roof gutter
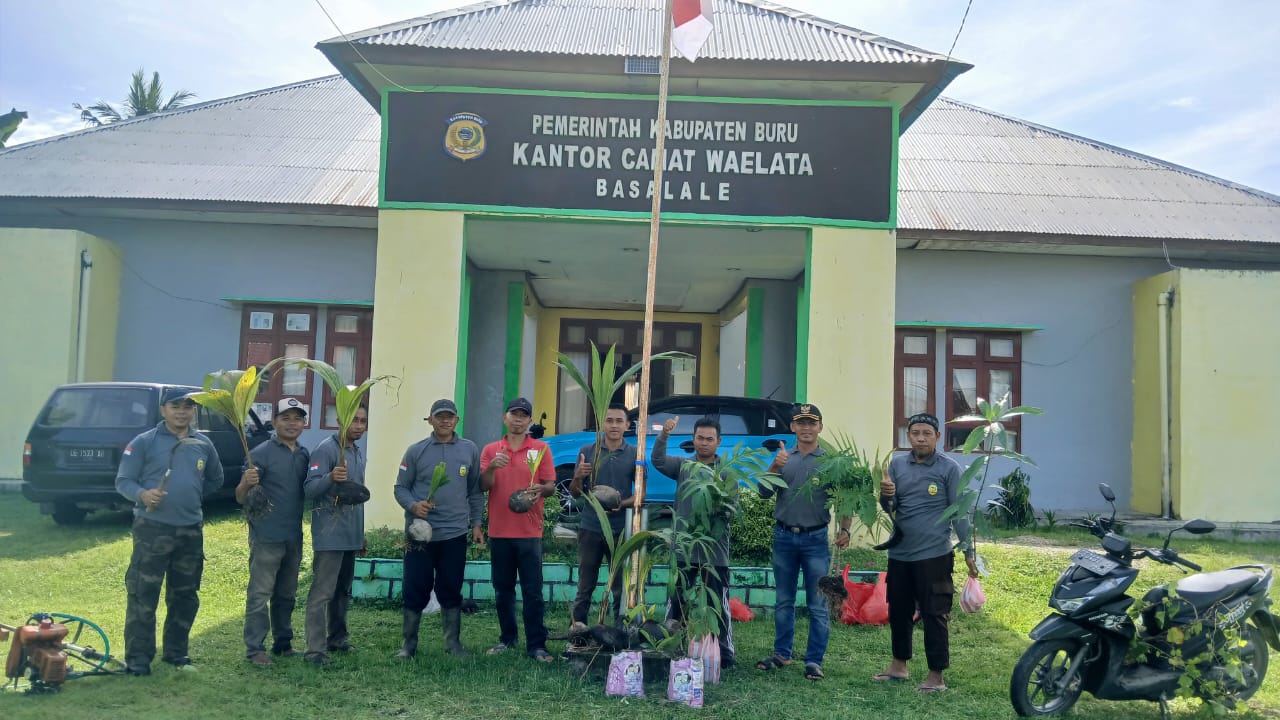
[(921, 102)]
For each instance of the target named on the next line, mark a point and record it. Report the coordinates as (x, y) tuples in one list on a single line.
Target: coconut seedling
[(420, 529), (231, 394), (347, 400), (522, 500)]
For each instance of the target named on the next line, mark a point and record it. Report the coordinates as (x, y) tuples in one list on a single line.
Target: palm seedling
[(522, 500), (420, 529), (231, 394), (850, 479), (347, 400)]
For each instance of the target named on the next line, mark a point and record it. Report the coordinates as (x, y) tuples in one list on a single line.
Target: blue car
[(754, 422)]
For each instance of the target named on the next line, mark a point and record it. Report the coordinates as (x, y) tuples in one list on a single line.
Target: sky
[(1192, 82)]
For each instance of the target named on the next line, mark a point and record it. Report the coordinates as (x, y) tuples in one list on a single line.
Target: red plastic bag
[(851, 610), (739, 611), (875, 611), (972, 598)]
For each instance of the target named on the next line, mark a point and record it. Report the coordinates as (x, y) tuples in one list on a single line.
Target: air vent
[(642, 66)]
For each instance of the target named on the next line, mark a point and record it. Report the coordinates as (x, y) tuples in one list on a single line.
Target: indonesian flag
[(692, 25)]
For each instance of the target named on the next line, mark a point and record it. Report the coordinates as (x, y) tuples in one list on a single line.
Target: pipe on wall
[(82, 319), (1164, 303)]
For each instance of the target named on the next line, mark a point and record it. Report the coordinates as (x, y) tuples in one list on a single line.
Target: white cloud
[(1186, 102), (40, 125), (1240, 146)]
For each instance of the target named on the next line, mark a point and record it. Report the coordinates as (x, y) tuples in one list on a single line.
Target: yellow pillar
[(419, 336), (849, 368)]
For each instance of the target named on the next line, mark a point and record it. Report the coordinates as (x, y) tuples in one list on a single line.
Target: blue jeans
[(793, 553)]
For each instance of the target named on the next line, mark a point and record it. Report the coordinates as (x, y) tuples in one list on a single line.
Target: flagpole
[(635, 594)]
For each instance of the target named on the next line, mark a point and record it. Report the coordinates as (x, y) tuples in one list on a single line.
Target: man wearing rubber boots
[(166, 471), (919, 486), (439, 561)]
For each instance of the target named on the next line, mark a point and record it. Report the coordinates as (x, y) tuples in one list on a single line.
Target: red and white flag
[(691, 20)]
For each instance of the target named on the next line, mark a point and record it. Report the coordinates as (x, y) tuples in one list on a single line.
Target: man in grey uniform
[(166, 471), (457, 505), (919, 486), (337, 533), (275, 541), (800, 543), (709, 563), (612, 465)]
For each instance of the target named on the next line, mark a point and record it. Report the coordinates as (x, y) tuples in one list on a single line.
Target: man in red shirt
[(515, 539)]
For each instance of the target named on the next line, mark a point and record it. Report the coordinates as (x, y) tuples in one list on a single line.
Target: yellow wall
[(1227, 366), (417, 290), (1145, 443), (40, 291), (545, 378), (851, 331)]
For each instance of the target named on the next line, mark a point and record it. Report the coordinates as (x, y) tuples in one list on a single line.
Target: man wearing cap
[(710, 563), (456, 506), (919, 486), (166, 471), (612, 464), (337, 533), (800, 543), (515, 539), (279, 467)]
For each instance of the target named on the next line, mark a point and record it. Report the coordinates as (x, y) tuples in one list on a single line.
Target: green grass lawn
[(80, 571)]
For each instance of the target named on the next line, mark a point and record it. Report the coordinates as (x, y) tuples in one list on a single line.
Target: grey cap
[(442, 405)]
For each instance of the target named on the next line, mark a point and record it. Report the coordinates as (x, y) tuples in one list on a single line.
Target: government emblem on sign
[(464, 138)]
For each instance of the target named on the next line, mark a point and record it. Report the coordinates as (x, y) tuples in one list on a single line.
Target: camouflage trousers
[(161, 550)]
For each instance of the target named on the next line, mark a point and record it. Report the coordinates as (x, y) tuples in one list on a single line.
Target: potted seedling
[(420, 529)]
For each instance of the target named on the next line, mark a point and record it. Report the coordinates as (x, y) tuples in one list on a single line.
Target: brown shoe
[(260, 659)]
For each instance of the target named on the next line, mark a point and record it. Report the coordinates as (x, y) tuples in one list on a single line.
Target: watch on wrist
[(844, 530)]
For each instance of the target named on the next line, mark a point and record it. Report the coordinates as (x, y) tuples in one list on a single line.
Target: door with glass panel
[(349, 343), (670, 377)]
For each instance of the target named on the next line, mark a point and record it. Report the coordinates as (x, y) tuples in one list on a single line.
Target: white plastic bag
[(972, 598), (433, 605)]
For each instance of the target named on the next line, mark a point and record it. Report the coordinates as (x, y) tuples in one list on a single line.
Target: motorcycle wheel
[(1034, 688), (1253, 660)]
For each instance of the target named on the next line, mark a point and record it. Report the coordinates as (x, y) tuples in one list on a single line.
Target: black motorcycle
[(1088, 645)]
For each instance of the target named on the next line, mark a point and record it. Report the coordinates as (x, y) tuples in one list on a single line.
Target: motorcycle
[(1204, 619)]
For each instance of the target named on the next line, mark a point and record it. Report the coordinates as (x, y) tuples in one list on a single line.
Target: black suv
[(72, 453)]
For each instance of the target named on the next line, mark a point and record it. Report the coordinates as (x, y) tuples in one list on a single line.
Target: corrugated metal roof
[(310, 143), (745, 30), (962, 169), (966, 169)]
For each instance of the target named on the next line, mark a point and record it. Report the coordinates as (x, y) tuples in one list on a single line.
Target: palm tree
[(144, 98)]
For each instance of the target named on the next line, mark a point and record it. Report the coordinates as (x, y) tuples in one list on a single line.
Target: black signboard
[(782, 161)]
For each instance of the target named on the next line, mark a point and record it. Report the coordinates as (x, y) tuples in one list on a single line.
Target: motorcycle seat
[(1207, 588)]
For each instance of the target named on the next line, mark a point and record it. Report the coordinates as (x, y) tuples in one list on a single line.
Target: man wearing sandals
[(800, 544), (919, 486)]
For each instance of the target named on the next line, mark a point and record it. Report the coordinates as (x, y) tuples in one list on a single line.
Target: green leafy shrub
[(751, 533), (1012, 509), (385, 542)]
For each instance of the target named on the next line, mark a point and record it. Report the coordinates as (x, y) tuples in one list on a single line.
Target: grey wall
[(778, 374), (733, 355), (486, 355), (173, 325), (1078, 369)]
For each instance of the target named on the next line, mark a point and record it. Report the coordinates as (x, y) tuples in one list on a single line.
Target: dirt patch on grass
[(1037, 541)]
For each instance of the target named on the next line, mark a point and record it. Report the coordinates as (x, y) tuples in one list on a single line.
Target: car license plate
[(87, 455)]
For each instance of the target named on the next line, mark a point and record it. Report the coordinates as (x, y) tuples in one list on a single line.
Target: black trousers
[(928, 586), (509, 558), (435, 566), (592, 552), (717, 584)]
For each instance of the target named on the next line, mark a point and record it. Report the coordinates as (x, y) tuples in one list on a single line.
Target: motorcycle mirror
[(1199, 527), (1107, 493), (687, 446), (772, 444)]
